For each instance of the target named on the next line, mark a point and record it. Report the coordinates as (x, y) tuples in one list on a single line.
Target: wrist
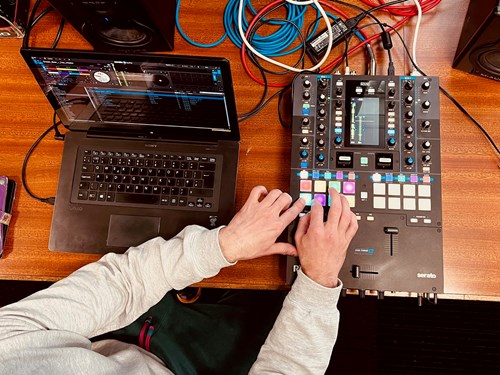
[(226, 244)]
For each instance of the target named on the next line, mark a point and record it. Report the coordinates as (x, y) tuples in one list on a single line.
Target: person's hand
[(322, 246), (253, 231)]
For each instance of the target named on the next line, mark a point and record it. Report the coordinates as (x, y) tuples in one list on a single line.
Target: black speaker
[(122, 25), (478, 50)]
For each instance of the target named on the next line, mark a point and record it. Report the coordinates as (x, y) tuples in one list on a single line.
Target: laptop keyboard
[(133, 178)]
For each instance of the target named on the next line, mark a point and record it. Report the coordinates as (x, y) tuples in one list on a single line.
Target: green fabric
[(221, 333)]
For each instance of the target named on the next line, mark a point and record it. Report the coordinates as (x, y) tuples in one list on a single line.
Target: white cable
[(415, 35), (275, 62)]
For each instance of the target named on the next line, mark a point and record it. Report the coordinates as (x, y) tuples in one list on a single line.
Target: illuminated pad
[(335, 185), (305, 185), (349, 187), (321, 198), (320, 186), (307, 198)]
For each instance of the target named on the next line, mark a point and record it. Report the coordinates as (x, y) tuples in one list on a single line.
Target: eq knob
[(391, 142), (409, 99), (320, 157), (426, 85), (304, 154), (426, 124), (409, 160), (306, 95), (409, 130), (305, 121), (392, 92), (391, 104), (426, 104), (323, 83), (322, 98), (409, 115), (426, 158), (307, 83), (338, 103), (409, 145), (320, 142), (304, 141), (321, 127), (338, 91), (426, 145), (337, 140), (322, 112), (409, 85)]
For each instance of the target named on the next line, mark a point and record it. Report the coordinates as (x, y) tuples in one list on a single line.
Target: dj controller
[(376, 140)]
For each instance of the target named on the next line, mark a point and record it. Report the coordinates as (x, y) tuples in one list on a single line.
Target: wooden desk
[(470, 173)]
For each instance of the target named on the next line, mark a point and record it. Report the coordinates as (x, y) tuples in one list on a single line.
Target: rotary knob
[(304, 141), (426, 104), (305, 121), (392, 92), (391, 142), (337, 140), (304, 154), (409, 160), (338, 91), (322, 98), (322, 112), (320, 157), (409, 115), (391, 104), (323, 83), (426, 158), (409, 145), (338, 103), (321, 127), (426, 145), (426, 85), (409, 99), (306, 95), (409, 85), (307, 83), (409, 130), (320, 142), (426, 124)]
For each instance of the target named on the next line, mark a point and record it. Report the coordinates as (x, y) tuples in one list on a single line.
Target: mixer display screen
[(364, 122)]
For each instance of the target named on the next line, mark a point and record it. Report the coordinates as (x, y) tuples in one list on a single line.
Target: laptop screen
[(158, 93)]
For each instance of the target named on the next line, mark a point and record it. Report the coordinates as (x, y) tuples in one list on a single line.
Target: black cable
[(41, 15), (49, 200), (30, 21), (59, 33), (449, 96)]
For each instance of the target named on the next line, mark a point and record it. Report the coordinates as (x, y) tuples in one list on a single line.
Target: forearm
[(113, 292), (305, 332)]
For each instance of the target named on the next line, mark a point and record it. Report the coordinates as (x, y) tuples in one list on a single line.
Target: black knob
[(409, 160), (320, 142), (303, 154), (321, 127), (391, 142), (338, 91), (426, 158), (409, 130), (307, 83), (409, 145), (426, 104), (322, 97), (409, 85), (426, 124), (426, 85), (304, 141), (426, 145), (305, 121), (320, 157), (306, 95), (338, 103), (337, 140), (322, 112), (323, 83), (409, 99), (409, 115), (391, 104), (392, 92)]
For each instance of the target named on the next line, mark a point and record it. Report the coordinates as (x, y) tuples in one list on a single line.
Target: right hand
[(322, 246)]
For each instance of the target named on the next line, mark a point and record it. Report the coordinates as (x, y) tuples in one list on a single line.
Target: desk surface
[(470, 173)]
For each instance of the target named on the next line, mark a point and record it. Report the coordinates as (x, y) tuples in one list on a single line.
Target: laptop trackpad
[(126, 231)]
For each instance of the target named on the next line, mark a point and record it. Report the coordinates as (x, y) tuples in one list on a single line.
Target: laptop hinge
[(137, 135)]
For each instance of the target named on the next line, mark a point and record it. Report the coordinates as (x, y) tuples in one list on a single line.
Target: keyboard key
[(137, 198)]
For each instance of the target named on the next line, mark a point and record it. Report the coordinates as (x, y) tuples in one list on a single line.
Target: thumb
[(282, 248)]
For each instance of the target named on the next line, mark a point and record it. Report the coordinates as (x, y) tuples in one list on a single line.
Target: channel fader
[(376, 140)]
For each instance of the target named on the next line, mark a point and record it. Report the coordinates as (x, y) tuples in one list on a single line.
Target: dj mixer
[(376, 140)]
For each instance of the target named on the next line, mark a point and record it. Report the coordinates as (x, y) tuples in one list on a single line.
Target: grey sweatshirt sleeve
[(114, 291), (303, 336)]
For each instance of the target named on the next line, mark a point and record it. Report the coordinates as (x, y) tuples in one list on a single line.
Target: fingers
[(304, 222), (255, 194), (316, 214), (282, 248), (289, 215), (335, 207)]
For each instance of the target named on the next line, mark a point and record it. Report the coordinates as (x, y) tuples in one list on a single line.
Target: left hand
[(253, 231)]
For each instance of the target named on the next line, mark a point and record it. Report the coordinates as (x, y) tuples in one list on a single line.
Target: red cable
[(404, 10)]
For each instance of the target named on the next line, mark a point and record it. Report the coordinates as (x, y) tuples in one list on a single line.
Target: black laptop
[(153, 145)]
